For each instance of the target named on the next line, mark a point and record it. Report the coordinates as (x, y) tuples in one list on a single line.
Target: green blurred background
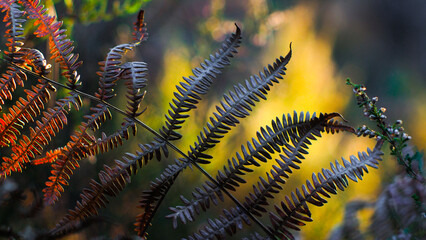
[(378, 43)]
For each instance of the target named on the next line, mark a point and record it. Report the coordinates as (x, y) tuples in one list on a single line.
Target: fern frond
[(226, 225), (292, 134), (237, 105), (295, 211), (8, 81), (75, 150), (112, 66), (152, 198), (93, 198), (34, 60), (189, 91), (24, 111), (60, 46), (139, 28), (31, 59), (29, 147), (256, 236)]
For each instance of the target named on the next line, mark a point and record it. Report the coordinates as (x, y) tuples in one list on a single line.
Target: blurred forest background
[(381, 44)]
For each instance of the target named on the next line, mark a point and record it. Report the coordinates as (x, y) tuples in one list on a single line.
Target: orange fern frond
[(60, 46), (64, 166), (23, 112), (50, 157), (8, 82), (75, 150), (29, 147)]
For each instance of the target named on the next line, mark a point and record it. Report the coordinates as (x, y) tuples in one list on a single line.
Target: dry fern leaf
[(75, 150), (30, 147), (112, 67)]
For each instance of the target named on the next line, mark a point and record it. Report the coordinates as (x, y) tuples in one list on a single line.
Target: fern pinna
[(29, 126)]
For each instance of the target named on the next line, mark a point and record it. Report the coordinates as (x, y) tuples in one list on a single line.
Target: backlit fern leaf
[(74, 151), (29, 147), (23, 112), (8, 81)]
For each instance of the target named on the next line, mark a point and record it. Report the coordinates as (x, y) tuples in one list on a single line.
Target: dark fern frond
[(93, 199), (256, 236), (292, 135), (82, 144), (110, 70), (189, 91), (152, 198), (295, 211), (236, 106), (112, 66), (60, 46), (226, 225)]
